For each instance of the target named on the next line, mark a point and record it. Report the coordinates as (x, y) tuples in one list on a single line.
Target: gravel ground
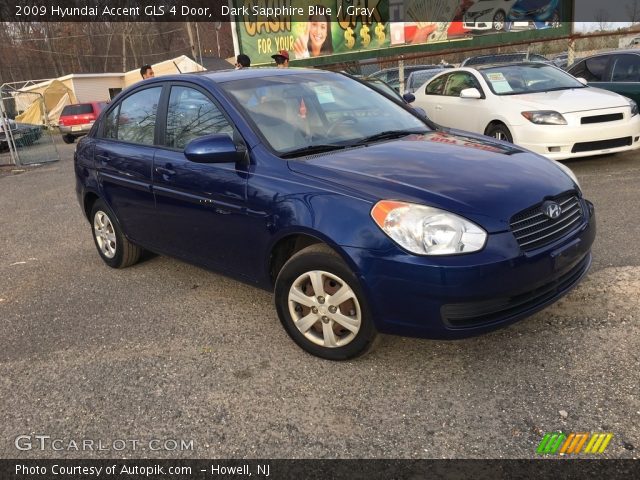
[(164, 350)]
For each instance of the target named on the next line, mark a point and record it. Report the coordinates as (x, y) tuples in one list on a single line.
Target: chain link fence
[(26, 138)]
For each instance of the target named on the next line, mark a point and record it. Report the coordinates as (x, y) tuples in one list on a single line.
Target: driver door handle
[(165, 171)]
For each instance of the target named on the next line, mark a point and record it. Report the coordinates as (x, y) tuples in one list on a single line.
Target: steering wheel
[(342, 121)]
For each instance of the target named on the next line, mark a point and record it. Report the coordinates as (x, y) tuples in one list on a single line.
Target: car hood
[(573, 100), (473, 176)]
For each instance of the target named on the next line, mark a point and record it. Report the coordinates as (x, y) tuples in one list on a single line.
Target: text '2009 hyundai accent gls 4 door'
[(360, 216)]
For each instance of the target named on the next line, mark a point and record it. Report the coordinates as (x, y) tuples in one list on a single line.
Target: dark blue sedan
[(360, 216)]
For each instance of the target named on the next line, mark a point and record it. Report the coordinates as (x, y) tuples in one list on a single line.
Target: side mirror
[(582, 80), (216, 148), (421, 112), (470, 93), (409, 97)]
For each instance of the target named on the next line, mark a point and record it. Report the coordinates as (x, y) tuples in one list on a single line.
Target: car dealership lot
[(174, 352)]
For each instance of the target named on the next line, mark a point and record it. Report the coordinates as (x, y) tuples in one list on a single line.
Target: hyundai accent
[(361, 217)]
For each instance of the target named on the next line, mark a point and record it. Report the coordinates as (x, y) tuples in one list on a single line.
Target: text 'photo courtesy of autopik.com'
[(346, 239)]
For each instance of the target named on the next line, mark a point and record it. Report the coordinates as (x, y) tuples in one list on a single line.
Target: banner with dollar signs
[(359, 29), (309, 29)]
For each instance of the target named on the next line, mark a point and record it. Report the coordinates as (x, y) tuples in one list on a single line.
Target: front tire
[(113, 247), (68, 139), (322, 306), (499, 21), (500, 131)]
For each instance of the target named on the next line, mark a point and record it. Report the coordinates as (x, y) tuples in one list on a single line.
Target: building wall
[(94, 89), (182, 64)]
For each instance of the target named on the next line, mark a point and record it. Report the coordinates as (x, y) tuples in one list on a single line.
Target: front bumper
[(478, 24), (465, 295), (560, 142)]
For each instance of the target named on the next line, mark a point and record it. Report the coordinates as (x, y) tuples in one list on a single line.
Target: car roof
[(485, 66), (416, 67), (221, 76), (502, 55), (614, 52)]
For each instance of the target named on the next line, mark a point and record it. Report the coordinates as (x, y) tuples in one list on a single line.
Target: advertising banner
[(322, 31), (309, 29)]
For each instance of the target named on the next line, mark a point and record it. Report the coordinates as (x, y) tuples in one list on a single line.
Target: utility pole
[(124, 54), (191, 42)]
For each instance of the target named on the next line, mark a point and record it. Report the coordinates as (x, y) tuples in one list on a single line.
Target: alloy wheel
[(105, 234), (325, 309)]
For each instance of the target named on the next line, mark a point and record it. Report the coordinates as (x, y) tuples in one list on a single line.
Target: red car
[(76, 120)]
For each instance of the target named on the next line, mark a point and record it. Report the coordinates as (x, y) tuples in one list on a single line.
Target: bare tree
[(34, 50), (602, 18)]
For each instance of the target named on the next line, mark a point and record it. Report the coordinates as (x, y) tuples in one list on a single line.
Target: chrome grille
[(533, 229)]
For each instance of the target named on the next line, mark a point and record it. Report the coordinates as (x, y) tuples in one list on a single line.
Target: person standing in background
[(242, 61), (146, 72), (282, 59)]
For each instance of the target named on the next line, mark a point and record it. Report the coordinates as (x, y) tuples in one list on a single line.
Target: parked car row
[(496, 95), (534, 105)]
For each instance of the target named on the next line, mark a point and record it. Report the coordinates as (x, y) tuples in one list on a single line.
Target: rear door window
[(137, 117)]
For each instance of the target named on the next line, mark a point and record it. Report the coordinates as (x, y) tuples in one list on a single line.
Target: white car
[(487, 15), (534, 105)]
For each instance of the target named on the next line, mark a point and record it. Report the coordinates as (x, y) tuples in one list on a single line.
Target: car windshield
[(311, 112), (532, 78)]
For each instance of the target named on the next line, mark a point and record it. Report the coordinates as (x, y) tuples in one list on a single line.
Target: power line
[(96, 35), (100, 56)]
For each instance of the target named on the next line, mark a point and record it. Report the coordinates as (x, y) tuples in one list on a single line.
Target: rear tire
[(113, 247), (322, 306), (499, 131)]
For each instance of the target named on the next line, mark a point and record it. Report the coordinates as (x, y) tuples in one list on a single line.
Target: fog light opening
[(636, 139), (554, 149)]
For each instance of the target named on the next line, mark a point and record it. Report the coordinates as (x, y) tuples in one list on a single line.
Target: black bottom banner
[(15, 469)]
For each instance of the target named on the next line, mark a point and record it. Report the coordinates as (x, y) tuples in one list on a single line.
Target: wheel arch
[(291, 243), (498, 121), (90, 198)]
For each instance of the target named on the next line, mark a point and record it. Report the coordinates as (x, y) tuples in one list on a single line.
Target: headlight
[(569, 172), (634, 107), (545, 117), (426, 230)]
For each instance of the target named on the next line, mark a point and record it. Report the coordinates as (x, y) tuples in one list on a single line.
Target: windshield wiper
[(555, 89), (388, 134), (310, 149)]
